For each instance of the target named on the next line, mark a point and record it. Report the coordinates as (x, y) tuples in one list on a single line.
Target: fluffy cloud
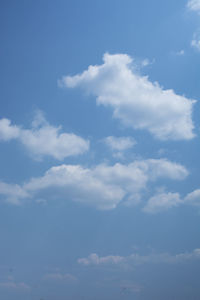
[(135, 100), (162, 201), (137, 259), (102, 186), (193, 198), (8, 131), (43, 139), (194, 5)]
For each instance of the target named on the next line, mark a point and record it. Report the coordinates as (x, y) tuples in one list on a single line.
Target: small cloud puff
[(119, 143)]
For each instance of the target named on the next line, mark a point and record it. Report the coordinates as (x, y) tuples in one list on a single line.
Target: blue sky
[(99, 138)]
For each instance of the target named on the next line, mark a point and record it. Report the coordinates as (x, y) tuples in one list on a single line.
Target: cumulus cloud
[(44, 139), (194, 5), (136, 259), (193, 198), (135, 100), (8, 131), (162, 202), (102, 186)]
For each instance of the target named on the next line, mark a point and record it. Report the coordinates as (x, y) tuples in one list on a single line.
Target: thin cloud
[(136, 259), (119, 143), (194, 5)]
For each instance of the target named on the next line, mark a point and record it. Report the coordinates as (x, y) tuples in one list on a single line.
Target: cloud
[(193, 198), (94, 259), (119, 143), (195, 43), (162, 202), (103, 186), (135, 100), (13, 285), (43, 139), (12, 193), (194, 5), (136, 259), (8, 131), (68, 278)]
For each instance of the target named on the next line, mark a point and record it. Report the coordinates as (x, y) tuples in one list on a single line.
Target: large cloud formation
[(135, 100), (103, 186)]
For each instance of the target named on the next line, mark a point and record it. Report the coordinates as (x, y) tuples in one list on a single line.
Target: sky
[(99, 140)]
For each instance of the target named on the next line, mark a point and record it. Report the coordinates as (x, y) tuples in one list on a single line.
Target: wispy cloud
[(136, 259), (13, 285), (135, 100), (59, 277), (195, 43), (194, 5)]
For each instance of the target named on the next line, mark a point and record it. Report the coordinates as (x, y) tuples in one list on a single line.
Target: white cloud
[(103, 186), (195, 43), (8, 131), (43, 139), (194, 5), (135, 100), (12, 193), (119, 143), (137, 259), (193, 198), (162, 202), (94, 259)]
